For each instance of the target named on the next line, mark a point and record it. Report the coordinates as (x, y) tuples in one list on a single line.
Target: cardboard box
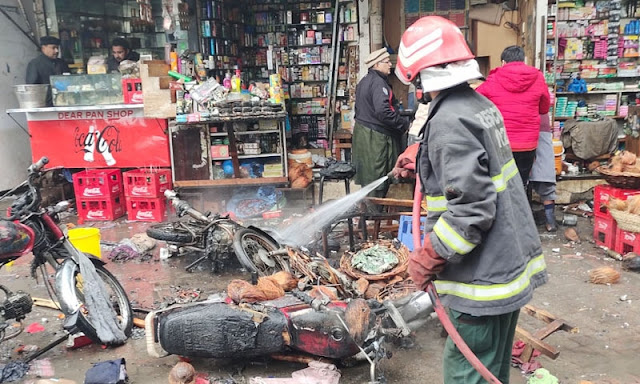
[(219, 151), (345, 119), (96, 69)]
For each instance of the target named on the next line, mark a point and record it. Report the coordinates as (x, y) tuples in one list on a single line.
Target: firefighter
[(481, 241), (378, 129)]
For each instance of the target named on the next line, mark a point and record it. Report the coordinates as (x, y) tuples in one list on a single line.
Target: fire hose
[(435, 299)]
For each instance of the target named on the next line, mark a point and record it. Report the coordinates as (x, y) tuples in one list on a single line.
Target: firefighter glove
[(425, 264)]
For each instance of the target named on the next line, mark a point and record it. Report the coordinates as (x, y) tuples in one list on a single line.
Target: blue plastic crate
[(404, 231)]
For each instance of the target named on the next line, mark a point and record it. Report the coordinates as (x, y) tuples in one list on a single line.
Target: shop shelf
[(223, 182), (309, 45), (260, 155), (257, 132)]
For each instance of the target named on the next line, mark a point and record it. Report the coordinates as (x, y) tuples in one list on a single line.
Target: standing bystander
[(521, 94), (378, 126)]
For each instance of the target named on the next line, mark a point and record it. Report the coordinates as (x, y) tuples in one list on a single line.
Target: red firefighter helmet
[(432, 40)]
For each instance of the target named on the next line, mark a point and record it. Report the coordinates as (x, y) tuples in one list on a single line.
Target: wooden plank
[(542, 333), (230, 182), (544, 348), (390, 202), (40, 302), (547, 317)]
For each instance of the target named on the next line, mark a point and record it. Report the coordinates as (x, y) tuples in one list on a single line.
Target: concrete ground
[(605, 350)]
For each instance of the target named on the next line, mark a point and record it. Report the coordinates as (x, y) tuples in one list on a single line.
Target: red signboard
[(92, 139)]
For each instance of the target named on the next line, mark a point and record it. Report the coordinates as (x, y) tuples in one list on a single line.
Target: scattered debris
[(623, 298), (316, 373), (42, 368), (374, 260), (110, 371), (542, 376), (78, 340), (612, 254), (26, 349), (555, 250), (604, 275), (631, 262), (182, 373), (139, 246), (572, 235), (183, 295), (569, 220), (34, 328), (13, 371)]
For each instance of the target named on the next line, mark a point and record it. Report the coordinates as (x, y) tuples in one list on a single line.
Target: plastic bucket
[(32, 95), (558, 149), (86, 240)]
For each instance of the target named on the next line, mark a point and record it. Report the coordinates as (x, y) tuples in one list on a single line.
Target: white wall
[(15, 52)]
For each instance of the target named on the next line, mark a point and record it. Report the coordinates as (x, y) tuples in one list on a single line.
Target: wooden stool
[(347, 190), (535, 340), (342, 141)]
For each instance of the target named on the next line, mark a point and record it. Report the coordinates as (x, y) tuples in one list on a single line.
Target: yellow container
[(558, 149), (86, 240)]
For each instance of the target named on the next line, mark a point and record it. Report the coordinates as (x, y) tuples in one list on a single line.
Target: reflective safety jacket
[(479, 218)]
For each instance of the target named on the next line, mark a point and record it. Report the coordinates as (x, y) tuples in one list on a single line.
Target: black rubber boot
[(549, 212)]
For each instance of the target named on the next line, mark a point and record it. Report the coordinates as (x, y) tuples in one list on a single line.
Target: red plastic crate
[(97, 183), (146, 183), (627, 242), (146, 209), (100, 209), (604, 231), (132, 91), (603, 192)]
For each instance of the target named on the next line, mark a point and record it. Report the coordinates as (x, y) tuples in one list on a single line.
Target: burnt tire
[(252, 248), (171, 233), (117, 298)]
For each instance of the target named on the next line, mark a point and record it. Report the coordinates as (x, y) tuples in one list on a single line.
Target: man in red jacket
[(521, 95)]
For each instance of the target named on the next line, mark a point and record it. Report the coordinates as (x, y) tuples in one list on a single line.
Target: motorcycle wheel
[(117, 298), (252, 250), (170, 232)]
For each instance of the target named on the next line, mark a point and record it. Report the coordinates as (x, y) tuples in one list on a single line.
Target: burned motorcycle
[(216, 238), (91, 298), (296, 323)]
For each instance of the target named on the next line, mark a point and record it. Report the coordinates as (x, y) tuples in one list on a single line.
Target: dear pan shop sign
[(109, 114), (95, 143)]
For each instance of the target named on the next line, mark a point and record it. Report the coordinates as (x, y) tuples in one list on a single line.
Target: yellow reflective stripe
[(436, 203), (452, 238), (508, 171), (496, 291)]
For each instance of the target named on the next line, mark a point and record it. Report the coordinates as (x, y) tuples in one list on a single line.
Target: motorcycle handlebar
[(182, 207), (37, 167)]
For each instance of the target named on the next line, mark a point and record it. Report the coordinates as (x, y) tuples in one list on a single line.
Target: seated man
[(120, 50)]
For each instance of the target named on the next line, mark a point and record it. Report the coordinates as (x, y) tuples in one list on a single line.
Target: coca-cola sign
[(113, 141), (92, 192), (145, 215), (140, 190), (98, 214)]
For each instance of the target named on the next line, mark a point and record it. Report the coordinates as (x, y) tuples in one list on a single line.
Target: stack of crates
[(99, 194), (144, 192), (605, 230)]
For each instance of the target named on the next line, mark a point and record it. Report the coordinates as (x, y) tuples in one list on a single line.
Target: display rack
[(87, 28), (599, 43), (237, 150)]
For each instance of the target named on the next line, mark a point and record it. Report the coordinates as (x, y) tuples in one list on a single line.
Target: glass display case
[(72, 90)]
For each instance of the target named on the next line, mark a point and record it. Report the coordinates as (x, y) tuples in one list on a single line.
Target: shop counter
[(117, 136)]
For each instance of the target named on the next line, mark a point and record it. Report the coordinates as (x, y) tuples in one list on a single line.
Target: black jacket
[(112, 64), (376, 107), (40, 69)]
